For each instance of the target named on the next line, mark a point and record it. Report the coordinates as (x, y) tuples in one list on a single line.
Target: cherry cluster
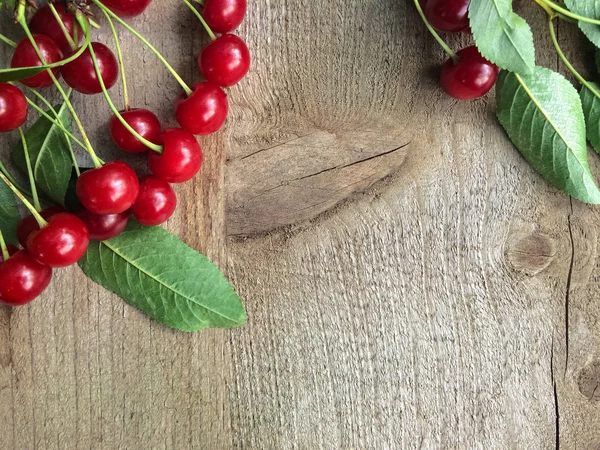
[(466, 75), (112, 192)]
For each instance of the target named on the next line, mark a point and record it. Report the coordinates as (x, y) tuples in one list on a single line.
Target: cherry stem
[(139, 137), (34, 194), (121, 64), (447, 49), (62, 26), (10, 42), (201, 19), (567, 13), (3, 247), (40, 220), (7, 174), (183, 84)]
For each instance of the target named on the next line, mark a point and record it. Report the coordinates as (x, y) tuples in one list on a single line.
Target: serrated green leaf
[(502, 36), (49, 154), (590, 100), (9, 214), (591, 9), (543, 117), (157, 273)]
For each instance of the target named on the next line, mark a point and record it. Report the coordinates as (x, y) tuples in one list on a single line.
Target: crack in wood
[(555, 394), (568, 288)]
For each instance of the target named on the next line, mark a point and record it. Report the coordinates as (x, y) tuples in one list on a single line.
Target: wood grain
[(410, 281)]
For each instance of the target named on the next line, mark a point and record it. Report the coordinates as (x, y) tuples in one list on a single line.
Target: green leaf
[(49, 154), (502, 36), (543, 117), (590, 99), (18, 74), (9, 214), (591, 9), (156, 272), (8, 4), (598, 60)]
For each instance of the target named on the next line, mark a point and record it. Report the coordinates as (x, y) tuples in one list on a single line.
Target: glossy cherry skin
[(156, 203), (181, 157), (60, 243), (450, 16), (81, 75), (223, 16), (12, 249), (44, 22), (142, 121), (127, 8), (203, 112), (13, 107), (471, 78), (22, 279), (28, 224), (26, 56), (225, 61), (110, 189), (103, 227)]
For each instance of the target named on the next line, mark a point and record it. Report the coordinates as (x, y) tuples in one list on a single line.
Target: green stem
[(139, 137), (201, 19), (34, 194), (120, 57), (10, 42), (62, 26), (436, 36), (3, 248), (7, 174), (40, 220), (567, 13), (183, 84)]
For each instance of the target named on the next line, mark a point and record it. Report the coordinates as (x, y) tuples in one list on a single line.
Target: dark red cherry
[(203, 112), (450, 16), (110, 189), (26, 56), (225, 61), (471, 78), (223, 16), (181, 157), (12, 249), (22, 279), (28, 224), (156, 203), (13, 107), (44, 22), (81, 75), (127, 8), (142, 121), (103, 227)]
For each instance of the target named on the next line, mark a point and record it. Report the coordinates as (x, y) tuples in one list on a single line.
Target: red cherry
[(471, 78), (26, 56), (223, 16), (13, 107), (450, 16), (28, 224), (81, 75), (127, 8), (103, 227), (22, 279), (142, 121), (12, 249), (203, 112), (44, 22), (180, 159), (156, 203), (110, 189), (60, 243), (225, 61)]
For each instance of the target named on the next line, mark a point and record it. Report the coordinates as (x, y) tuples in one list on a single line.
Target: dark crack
[(554, 390), (568, 288)]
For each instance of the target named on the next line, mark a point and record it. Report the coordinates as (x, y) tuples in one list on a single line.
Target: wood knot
[(530, 253), (589, 382)]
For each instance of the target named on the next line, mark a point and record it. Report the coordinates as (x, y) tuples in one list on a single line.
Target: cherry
[(156, 203), (180, 159), (450, 16), (44, 22), (26, 56), (60, 243), (103, 227), (203, 112), (13, 107), (223, 16), (142, 121), (22, 279), (12, 249), (471, 78), (28, 224), (127, 8), (81, 75), (225, 61), (110, 189)]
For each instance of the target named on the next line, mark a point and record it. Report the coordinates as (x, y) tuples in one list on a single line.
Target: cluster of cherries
[(111, 193), (471, 76)]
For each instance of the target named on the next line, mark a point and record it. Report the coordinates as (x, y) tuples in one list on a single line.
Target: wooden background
[(410, 282)]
